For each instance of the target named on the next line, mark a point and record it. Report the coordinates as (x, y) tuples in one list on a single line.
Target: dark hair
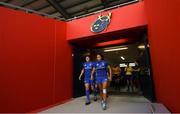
[(87, 56), (102, 57)]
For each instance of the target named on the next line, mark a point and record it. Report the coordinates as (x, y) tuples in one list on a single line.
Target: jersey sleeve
[(106, 64), (94, 65), (83, 65)]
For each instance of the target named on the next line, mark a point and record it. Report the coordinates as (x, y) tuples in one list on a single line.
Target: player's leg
[(87, 93), (104, 91), (92, 83), (104, 87), (100, 91), (128, 82), (96, 90), (119, 82), (132, 84), (99, 84)]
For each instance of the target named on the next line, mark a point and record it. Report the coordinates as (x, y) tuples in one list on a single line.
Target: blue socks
[(95, 92), (87, 95)]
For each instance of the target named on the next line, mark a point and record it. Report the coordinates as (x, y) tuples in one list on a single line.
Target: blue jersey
[(101, 68), (88, 66)]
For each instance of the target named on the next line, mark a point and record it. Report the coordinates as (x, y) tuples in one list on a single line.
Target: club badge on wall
[(101, 23)]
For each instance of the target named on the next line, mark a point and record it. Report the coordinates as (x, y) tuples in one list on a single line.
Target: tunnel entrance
[(119, 53)]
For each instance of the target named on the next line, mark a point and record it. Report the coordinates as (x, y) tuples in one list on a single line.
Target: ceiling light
[(115, 49), (122, 58), (142, 46)]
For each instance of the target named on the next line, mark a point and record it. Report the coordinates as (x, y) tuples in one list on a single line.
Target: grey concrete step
[(116, 104)]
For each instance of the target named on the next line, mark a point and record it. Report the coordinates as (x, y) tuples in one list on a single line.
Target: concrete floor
[(116, 104)]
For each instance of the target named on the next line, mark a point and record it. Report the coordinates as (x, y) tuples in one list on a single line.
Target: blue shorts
[(88, 81), (100, 80)]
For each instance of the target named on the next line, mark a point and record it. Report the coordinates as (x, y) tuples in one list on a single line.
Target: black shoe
[(87, 103), (95, 98)]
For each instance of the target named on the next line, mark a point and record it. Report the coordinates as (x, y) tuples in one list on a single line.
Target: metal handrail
[(57, 17), (99, 11), (29, 10)]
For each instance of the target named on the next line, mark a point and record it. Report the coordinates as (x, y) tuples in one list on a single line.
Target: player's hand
[(109, 78), (79, 78)]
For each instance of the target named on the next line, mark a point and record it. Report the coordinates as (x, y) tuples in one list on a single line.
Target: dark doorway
[(78, 59), (121, 55)]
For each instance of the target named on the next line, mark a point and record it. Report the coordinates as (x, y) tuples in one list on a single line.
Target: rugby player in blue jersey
[(103, 74), (87, 70)]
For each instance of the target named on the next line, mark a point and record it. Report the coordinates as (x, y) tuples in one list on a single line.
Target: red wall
[(123, 18), (163, 28), (36, 63), (63, 64), (33, 62)]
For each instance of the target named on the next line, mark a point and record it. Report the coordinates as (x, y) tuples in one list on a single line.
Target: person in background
[(86, 70), (116, 71), (103, 74), (136, 71), (129, 77), (142, 74)]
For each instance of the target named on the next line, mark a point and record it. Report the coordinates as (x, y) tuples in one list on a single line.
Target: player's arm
[(125, 69), (110, 73), (82, 72), (119, 69), (92, 73)]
